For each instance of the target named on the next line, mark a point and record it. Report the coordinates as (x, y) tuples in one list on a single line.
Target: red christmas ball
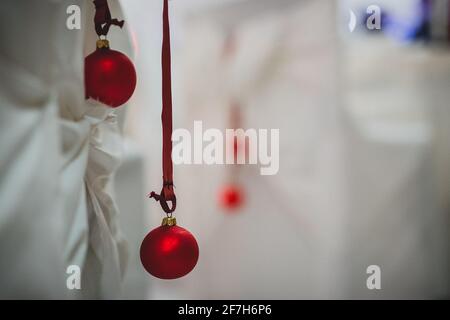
[(169, 251), (109, 76), (231, 197)]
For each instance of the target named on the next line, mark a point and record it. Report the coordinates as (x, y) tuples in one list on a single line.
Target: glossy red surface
[(169, 252), (109, 76)]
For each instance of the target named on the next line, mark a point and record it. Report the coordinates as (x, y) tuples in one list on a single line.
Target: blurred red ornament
[(109, 75), (169, 251), (231, 197)]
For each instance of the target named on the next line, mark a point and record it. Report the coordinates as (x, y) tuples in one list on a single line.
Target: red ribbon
[(102, 19), (167, 193)]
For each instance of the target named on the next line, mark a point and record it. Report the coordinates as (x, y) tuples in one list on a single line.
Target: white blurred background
[(363, 120), (364, 177)]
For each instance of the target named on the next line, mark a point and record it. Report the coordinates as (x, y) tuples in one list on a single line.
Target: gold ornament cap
[(169, 221), (102, 43)]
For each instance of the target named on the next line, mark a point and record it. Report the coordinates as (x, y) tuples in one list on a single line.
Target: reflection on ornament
[(169, 251), (109, 76)]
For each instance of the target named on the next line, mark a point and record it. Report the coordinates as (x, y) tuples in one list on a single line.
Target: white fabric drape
[(58, 154)]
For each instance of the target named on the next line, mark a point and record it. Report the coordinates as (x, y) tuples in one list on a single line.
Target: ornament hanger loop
[(103, 20), (167, 195)]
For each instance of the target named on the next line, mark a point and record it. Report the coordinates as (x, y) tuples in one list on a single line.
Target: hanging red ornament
[(109, 75), (169, 251), (231, 197)]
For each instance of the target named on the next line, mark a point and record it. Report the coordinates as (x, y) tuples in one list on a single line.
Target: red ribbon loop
[(167, 192), (167, 195), (102, 19)]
